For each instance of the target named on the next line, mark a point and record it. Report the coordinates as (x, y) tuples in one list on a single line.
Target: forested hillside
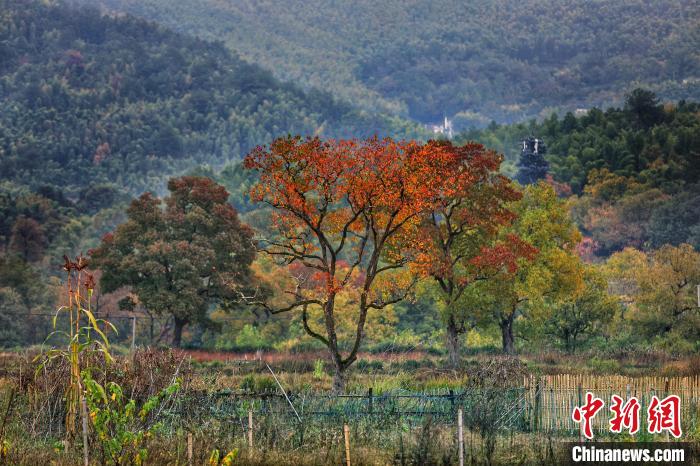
[(92, 99), (633, 171), (474, 61)]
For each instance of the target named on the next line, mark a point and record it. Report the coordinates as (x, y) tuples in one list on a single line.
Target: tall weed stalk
[(83, 335)]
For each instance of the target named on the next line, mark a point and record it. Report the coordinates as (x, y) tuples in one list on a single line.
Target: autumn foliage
[(351, 212), (459, 241)]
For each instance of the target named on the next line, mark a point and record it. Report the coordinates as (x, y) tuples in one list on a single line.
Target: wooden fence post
[(369, 396), (460, 430), (666, 387), (250, 429), (538, 405), (580, 403), (346, 431), (133, 333), (190, 455)]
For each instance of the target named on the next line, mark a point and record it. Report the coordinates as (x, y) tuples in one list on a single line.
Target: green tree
[(25, 292), (182, 257), (677, 220), (555, 272), (11, 321), (644, 106)]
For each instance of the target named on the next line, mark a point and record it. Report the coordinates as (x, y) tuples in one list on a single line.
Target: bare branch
[(305, 320)]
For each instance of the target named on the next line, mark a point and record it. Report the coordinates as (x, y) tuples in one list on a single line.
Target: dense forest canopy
[(653, 143), (474, 61), (633, 171), (93, 99)]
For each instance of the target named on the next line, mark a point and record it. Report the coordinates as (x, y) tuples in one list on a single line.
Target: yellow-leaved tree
[(659, 289), (555, 273)]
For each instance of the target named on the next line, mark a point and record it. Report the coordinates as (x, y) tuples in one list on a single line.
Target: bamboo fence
[(551, 399)]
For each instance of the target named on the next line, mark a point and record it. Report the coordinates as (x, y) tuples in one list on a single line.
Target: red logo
[(664, 415), (625, 415), (584, 414)]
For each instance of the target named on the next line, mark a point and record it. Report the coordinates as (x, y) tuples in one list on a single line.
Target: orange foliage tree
[(347, 211), (459, 242)]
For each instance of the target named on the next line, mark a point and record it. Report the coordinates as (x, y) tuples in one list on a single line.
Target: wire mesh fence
[(296, 420), (440, 405), (542, 405), (540, 408)]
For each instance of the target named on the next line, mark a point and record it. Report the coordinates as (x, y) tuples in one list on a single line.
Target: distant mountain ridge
[(472, 61), (89, 99)]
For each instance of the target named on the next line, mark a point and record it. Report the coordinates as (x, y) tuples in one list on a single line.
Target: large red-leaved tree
[(460, 242), (347, 211)]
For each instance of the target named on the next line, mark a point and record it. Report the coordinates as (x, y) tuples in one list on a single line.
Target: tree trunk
[(573, 343), (151, 332), (567, 341), (506, 325), (177, 332), (339, 378), (452, 344)]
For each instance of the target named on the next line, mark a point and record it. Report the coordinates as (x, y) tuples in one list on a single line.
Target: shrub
[(296, 345), (258, 384), (426, 449), (491, 395), (250, 339), (604, 366), (318, 369), (121, 428), (228, 459), (364, 365)]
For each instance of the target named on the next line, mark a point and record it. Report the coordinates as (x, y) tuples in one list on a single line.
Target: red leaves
[(331, 194), (587, 248), (459, 239), (74, 59), (562, 189), (505, 255), (314, 182), (438, 207), (101, 153), (197, 189)]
